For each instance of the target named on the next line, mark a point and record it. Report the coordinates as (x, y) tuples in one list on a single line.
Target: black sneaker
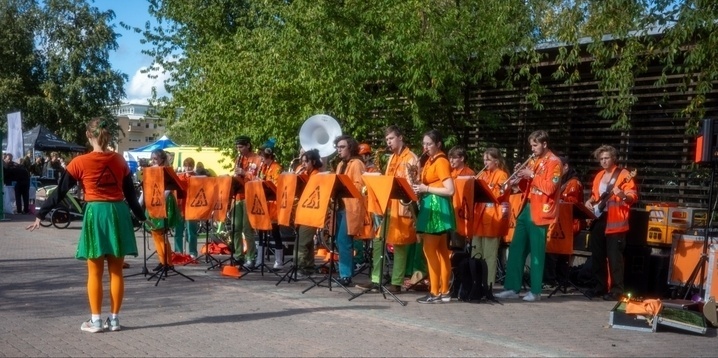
[(430, 299), (345, 281)]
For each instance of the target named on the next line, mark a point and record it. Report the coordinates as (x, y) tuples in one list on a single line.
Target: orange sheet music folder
[(463, 201), (559, 239), (385, 187), (223, 194), (256, 204), (314, 202), (289, 186), (201, 198), (153, 187)]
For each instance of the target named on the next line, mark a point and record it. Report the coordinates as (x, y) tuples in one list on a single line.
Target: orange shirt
[(465, 171), (250, 164), (436, 170), (270, 172), (101, 175)]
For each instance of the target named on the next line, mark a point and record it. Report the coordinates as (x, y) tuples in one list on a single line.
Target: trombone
[(505, 184)]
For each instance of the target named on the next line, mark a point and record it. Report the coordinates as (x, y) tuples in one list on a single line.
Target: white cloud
[(139, 89)]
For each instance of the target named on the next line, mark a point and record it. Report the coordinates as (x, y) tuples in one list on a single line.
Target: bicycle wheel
[(46, 222), (60, 218)]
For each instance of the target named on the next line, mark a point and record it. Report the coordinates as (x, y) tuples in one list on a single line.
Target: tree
[(261, 68), (64, 64)]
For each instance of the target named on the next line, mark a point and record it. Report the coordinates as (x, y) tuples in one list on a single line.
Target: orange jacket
[(489, 220), (355, 208), (402, 228), (572, 192), (618, 210), (250, 164), (543, 189)]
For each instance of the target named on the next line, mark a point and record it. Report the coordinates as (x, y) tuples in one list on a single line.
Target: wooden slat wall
[(656, 144)]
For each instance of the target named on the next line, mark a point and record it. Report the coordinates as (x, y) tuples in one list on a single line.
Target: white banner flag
[(14, 136)]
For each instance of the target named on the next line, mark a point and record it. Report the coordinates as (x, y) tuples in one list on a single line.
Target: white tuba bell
[(318, 132)]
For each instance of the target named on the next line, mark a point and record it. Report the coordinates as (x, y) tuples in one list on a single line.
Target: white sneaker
[(531, 298), (278, 265), (507, 294)]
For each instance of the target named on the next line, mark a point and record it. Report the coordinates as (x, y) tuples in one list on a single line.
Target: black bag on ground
[(471, 280)]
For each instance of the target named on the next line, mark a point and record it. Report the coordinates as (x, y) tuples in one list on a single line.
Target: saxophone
[(413, 172)]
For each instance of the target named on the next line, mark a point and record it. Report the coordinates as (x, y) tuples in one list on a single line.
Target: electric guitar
[(603, 200)]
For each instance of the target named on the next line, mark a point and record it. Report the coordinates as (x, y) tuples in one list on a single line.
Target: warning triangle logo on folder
[(257, 206), (312, 201), (200, 199)]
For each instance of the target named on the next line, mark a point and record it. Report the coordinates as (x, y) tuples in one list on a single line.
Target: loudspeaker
[(705, 143), (637, 227)]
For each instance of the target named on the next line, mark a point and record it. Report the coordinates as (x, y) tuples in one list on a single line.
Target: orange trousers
[(438, 260), (163, 255), (95, 270)]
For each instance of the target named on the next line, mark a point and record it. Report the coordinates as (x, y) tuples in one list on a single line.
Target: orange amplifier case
[(686, 250)]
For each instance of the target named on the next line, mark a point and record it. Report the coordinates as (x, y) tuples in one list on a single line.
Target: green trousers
[(407, 260), (305, 251), (240, 225), (528, 238), (488, 249)]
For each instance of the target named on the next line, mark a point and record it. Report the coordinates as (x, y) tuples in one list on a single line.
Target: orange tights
[(160, 245), (438, 258), (95, 268)]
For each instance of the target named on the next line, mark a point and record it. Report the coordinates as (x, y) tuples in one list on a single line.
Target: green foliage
[(55, 65), (262, 68)]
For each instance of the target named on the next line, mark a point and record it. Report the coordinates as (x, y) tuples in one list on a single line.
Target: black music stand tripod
[(256, 208), (564, 282), (343, 188), (700, 269), (171, 182), (399, 189), (144, 270), (285, 204)]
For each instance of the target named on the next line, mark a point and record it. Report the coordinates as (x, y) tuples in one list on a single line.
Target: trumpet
[(481, 171), (505, 184)]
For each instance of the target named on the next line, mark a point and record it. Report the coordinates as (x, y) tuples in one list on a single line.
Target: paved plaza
[(43, 302)]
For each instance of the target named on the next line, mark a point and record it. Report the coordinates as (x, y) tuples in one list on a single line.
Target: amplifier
[(685, 253)]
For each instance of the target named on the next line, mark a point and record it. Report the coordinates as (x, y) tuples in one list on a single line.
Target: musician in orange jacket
[(188, 226), (539, 182), (612, 195), (270, 170), (246, 167), (556, 267), (351, 211), (457, 160), (491, 221), (401, 224)]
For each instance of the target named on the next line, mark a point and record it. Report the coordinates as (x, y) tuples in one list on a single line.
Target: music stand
[(579, 211), (258, 193), (200, 205), (291, 185), (237, 186), (312, 210), (386, 188), (144, 270), (169, 181)]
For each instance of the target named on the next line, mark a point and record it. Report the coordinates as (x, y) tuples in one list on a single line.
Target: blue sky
[(128, 58)]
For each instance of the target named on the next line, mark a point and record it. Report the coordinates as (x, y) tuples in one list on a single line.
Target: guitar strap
[(612, 182)]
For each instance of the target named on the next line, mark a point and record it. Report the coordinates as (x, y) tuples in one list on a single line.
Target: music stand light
[(169, 181), (313, 207)]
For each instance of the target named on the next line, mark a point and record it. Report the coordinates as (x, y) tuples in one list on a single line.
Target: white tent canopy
[(133, 156)]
